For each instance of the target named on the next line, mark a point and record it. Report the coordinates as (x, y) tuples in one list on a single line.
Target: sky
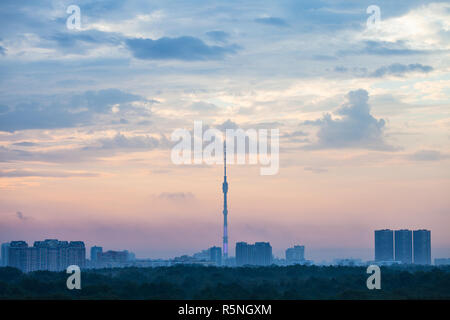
[(86, 117)]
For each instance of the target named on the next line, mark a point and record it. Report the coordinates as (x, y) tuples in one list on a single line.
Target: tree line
[(198, 282)]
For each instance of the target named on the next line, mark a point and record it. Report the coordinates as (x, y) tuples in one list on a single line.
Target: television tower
[(225, 209)]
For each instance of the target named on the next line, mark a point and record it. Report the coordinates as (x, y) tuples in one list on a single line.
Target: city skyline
[(87, 116), (403, 248)]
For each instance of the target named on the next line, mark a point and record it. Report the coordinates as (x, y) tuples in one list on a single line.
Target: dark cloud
[(356, 128), (340, 69), (295, 134), (398, 69), (427, 155), (218, 36), (273, 21), (7, 154), (25, 144), (102, 100), (182, 48), (37, 116), (359, 71), (228, 125), (63, 111), (21, 216), (79, 41), (385, 48)]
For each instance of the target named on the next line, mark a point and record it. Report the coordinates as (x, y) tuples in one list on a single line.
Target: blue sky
[(96, 106)]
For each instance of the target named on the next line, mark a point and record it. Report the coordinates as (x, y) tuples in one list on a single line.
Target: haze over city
[(86, 118)]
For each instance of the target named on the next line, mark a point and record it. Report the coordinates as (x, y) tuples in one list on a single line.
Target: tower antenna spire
[(225, 158), (225, 207)]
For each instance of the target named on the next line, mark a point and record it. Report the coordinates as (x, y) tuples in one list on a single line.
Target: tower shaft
[(225, 205)]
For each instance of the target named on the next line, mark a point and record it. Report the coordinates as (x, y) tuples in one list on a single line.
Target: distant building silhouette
[(215, 255), (5, 254), (348, 262), (259, 254), (384, 245), (442, 261), (18, 255), (202, 255), (202, 258), (242, 253), (112, 259), (50, 254), (131, 256), (263, 253), (422, 246), (95, 253), (403, 246), (208, 257), (295, 254)]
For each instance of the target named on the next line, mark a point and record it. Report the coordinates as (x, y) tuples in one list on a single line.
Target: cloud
[(295, 134), (2, 51), (356, 127), (315, 170), (21, 216), (381, 48), (50, 174), (398, 69), (120, 141), (424, 27), (361, 71), (37, 116), (101, 101), (263, 125), (202, 106), (177, 196), (218, 36), (78, 42), (395, 69), (273, 21), (228, 125), (103, 147), (427, 155), (63, 111), (25, 144), (386, 48), (182, 48), (296, 137)]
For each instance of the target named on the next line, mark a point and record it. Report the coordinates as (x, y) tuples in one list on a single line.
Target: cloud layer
[(64, 111)]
